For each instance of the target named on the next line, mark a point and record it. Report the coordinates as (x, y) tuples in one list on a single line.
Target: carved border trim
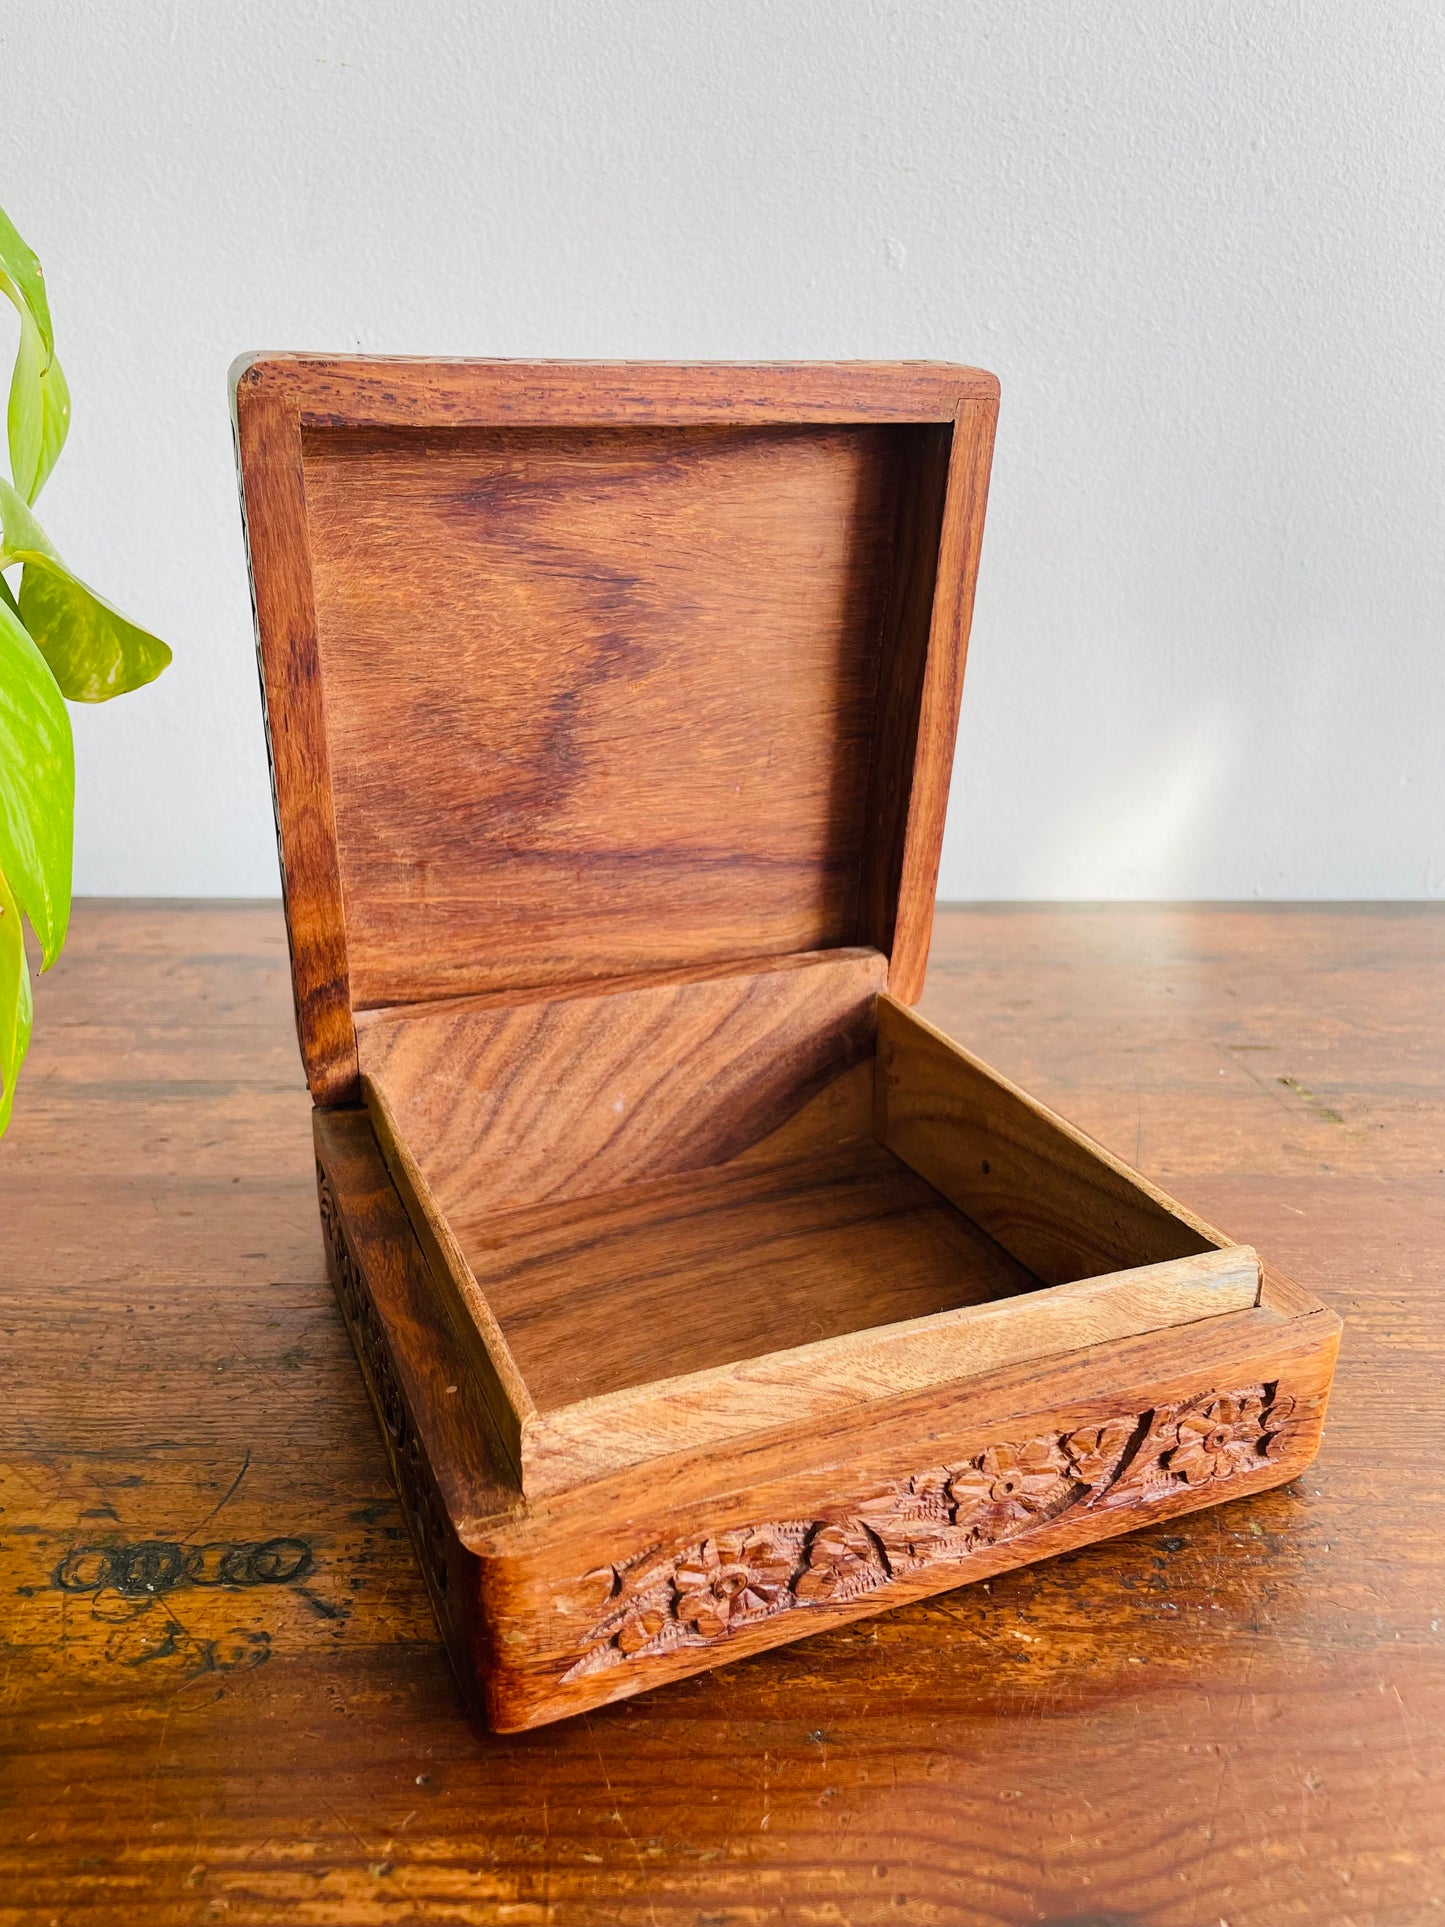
[(700, 1593)]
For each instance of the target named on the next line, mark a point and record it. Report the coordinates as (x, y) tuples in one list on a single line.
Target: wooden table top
[(223, 1698)]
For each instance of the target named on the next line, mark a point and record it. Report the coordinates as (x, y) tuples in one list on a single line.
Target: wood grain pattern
[(614, 699), (907, 627), (555, 1618), (479, 1109), (393, 1320), (486, 1355), (644, 700), (403, 1379), (1060, 1203), (682, 1274), (1261, 1673), (555, 1098)]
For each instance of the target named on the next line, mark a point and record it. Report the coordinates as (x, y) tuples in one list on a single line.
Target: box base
[(553, 1606)]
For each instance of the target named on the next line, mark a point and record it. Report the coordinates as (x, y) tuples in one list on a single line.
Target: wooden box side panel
[(558, 1098), (490, 1365), (923, 507), (920, 694), (599, 1613), (1060, 1203), (445, 1458), (720, 1408), (273, 513)]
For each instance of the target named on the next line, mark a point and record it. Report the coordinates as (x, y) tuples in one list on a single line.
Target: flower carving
[(1223, 1437), (1095, 1452), (840, 1557), (737, 1575), (1007, 1486)]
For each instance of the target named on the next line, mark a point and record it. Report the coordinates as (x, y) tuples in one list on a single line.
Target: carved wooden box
[(707, 1296)]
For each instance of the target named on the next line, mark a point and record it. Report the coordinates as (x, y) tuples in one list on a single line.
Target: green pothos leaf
[(17, 1011), (94, 652), (57, 639), (21, 537), (20, 265), (37, 786), (38, 419)]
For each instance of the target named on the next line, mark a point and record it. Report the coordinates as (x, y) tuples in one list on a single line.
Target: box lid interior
[(581, 673)]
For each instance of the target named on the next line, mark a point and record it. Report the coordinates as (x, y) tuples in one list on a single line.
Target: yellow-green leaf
[(16, 1008), (37, 786), (21, 537), (38, 420), (23, 279), (39, 414), (94, 652)]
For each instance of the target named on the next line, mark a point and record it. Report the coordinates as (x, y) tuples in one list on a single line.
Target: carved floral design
[(1095, 1452), (696, 1594), (1008, 1486), (735, 1577), (1222, 1438), (843, 1560)]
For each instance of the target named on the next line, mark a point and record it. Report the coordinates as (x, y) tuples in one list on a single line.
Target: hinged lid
[(581, 672)]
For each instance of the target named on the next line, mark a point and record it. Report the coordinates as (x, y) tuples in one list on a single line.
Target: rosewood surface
[(223, 1694)]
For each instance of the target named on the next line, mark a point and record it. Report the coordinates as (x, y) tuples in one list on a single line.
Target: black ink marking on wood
[(150, 1567)]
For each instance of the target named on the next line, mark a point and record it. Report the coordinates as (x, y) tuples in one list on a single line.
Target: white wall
[(1202, 245)]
